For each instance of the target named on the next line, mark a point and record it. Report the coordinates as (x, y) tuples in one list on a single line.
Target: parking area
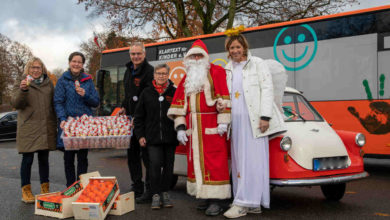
[(364, 199)]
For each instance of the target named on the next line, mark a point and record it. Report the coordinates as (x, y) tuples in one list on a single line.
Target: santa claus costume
[(194, 107)]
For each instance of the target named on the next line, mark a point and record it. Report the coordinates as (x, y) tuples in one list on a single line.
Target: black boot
[(213, 209), (138, 189), (203, 204), (145, 198)]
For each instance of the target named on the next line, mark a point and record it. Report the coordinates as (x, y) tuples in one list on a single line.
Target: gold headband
[(235, 31)]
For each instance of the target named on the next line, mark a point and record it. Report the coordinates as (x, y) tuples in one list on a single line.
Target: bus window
[(109, 99), (121, 89)]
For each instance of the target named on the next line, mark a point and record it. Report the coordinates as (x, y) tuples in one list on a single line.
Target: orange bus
[(341, 63)]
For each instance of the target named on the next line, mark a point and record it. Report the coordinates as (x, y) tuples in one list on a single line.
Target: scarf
[(39, 80), (76, 77), (160, 88)]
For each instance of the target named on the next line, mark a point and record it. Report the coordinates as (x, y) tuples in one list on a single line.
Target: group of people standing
[(210, 105), (41, 107)]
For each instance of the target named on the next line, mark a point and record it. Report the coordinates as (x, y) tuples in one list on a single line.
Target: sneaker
[(156, 202), (236, 211), (254, 210), (166, 201), (213, 209), (145, 198)]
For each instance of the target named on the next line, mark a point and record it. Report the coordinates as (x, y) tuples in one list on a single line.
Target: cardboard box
[(97, 198), (59, 204), (123, 204)]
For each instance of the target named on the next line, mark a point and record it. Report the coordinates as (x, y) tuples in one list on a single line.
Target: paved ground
[(365, 199)]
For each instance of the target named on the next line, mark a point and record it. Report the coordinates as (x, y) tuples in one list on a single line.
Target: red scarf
[(160, 88)]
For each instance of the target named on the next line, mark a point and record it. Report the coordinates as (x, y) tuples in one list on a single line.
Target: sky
[(53, 29)]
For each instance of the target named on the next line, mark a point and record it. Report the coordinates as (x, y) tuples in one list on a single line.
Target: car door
[(8, 126)]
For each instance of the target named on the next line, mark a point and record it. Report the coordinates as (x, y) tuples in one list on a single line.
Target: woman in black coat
[(156, 132)]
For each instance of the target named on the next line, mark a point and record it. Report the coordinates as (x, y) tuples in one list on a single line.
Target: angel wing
[(279, 80)]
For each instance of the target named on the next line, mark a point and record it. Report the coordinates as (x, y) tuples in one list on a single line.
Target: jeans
[(43, 163), (82, 164), (161, 156), (134, 155)]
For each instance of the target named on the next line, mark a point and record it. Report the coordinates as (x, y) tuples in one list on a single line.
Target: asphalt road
[(364, 199)]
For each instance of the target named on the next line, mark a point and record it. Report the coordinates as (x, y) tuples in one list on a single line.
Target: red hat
[(198, 47)]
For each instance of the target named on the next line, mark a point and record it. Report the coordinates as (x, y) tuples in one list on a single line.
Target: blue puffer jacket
[(68, 103)]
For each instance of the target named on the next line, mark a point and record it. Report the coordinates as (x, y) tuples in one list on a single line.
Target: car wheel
[(333, 192), (174, 181)]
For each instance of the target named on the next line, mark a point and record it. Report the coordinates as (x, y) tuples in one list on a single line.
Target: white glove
[(182, 137), (222, 128)]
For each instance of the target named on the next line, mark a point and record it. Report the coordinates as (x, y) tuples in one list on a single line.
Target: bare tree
[(57, 72), (178, 18), (13, 59), (107, 40)]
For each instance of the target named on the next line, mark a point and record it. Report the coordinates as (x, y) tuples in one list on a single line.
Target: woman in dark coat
[(36, 132), (74, 95), (156, 132)]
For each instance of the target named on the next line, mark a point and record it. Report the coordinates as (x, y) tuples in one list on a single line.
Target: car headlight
[(360, 140), (285, 143)]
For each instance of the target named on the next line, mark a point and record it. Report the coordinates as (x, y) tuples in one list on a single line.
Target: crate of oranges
[(96, 199), (123, 204), (58, 204)]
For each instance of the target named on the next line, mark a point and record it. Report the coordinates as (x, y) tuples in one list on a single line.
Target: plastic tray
[(93, 142)]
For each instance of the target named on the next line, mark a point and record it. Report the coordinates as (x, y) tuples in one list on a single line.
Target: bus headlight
[(360, 140), (285, 143)]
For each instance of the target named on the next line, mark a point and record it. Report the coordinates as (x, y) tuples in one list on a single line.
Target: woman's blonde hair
[(30, 63), (241, 39)]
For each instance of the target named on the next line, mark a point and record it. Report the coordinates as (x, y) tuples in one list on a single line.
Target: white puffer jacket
[(258, 93)]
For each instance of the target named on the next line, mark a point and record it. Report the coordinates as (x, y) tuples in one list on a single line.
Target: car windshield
[(3, 114), (297, 108)]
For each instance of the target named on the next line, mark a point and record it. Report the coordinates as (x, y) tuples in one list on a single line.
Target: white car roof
[(292, 90)]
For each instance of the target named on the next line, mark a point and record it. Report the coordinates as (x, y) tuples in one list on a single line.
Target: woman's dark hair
[(76, 54)]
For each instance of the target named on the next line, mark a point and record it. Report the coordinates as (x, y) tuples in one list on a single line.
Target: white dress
[(250, 156)]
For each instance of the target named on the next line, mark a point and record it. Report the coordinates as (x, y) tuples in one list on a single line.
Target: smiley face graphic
[(304, 34), (219, 62)]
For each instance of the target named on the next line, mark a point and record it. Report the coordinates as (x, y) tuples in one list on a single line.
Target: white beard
[(197, 71)]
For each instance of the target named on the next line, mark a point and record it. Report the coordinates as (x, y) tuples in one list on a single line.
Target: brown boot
[(45, 188), (27, 195)]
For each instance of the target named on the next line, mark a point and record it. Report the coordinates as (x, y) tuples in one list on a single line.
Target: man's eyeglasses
[(196, 55), (136, 54), (161, 73)]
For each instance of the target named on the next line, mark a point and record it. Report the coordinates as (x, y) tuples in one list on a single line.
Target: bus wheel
[(333, 192), (174, 181)]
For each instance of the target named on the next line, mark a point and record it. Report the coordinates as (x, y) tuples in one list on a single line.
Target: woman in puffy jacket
[(36, 132), (74, 95), (156, 132)]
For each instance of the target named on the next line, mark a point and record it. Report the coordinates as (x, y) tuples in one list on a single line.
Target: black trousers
[(43, 164), (82, 164), (134, 155), (161, 156)]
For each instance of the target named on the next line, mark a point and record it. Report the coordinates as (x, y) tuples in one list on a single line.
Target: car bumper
[(319, 181)]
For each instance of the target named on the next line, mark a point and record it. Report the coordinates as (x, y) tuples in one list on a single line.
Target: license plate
[(330, 163)]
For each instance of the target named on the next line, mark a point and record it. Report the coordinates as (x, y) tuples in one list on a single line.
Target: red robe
[(207, 155)]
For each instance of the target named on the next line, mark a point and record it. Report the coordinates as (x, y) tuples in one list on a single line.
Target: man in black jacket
[(138, 75)]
